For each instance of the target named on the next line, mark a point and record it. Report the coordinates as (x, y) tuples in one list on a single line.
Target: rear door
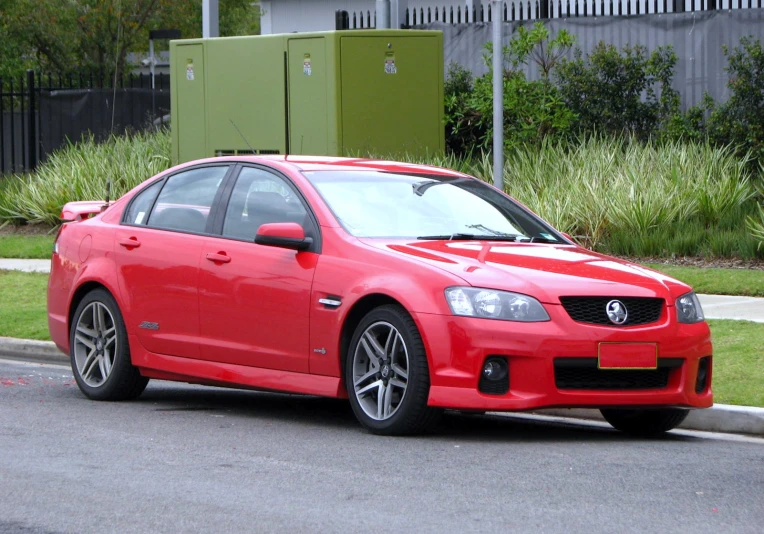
[(158, 250), (255, 299)]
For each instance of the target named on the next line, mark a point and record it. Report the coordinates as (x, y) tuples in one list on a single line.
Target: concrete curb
[(721, 418), (32, 351)]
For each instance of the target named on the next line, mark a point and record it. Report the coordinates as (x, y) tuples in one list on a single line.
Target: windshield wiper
[(459, 236), (538, 239), (421, 187), (493, 232)]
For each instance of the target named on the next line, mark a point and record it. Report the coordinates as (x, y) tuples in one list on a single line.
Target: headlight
[(492, 304), (688, 309)]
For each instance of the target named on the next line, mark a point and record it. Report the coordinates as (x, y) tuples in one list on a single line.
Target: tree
[(61, 36)]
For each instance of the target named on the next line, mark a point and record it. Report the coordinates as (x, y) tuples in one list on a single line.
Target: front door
[(254, 299)]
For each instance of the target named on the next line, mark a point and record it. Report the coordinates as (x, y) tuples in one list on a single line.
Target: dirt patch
[(689, 261), (27, 229)]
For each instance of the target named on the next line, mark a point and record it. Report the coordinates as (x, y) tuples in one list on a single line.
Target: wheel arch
[(354, 316), (82, 290)]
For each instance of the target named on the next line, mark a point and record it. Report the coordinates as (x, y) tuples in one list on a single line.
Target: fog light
[(495, 369), (494, 380)]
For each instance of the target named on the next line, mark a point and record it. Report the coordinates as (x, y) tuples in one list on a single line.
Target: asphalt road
[(190, 459)]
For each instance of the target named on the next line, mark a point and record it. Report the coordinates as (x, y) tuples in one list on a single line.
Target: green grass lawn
[(738, 372), (717, 281), (23, 307), (26, 246), (738, 368)]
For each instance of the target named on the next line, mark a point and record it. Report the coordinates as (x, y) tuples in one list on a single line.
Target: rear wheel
[(387, 376), (645, 423), (99, 350)]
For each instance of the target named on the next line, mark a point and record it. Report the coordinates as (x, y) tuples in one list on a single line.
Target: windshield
[(382, 204)]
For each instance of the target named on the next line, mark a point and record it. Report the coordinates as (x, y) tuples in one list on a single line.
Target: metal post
[(383, 14), (498, 96), (32, 129), (544, 9), (210, 26)]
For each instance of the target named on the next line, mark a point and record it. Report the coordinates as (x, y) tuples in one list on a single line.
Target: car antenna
[(242, 136), (108, 194)]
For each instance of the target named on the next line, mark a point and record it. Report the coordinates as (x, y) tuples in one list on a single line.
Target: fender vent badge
[(331, 302), (149, 326)]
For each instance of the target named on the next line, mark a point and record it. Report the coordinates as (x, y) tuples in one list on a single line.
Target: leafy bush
[(620, 92), (463, 133), (533, 110), (80, 172), (740, 120)]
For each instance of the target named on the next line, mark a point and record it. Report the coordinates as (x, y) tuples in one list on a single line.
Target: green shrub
[(533, 110), (462, 131), (620, 92), (80, 172), (740, 120)]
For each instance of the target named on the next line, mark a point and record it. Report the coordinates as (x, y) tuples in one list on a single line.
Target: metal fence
[(40, 113), (519, 10)]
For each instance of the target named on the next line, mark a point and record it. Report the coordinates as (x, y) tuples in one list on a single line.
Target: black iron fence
[(518, 10), (40, 113)]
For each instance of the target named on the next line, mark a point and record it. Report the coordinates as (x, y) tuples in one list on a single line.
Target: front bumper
[(457, 348)]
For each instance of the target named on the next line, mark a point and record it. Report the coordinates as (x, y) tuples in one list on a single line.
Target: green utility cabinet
[(329, 93)]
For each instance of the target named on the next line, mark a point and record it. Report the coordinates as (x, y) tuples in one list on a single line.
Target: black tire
[(123, 381), (412, 415), (645, 423)]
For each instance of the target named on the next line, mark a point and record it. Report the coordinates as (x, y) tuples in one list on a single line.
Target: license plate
[(627, 356)]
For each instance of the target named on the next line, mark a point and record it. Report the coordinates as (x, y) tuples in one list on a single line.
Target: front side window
[(260, 197), (384, 204), (186, 199)]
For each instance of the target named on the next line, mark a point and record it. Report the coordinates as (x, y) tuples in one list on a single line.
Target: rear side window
[(141, 204), (186, 199)]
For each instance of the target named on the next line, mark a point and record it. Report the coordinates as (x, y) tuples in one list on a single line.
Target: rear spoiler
[(80, 211)]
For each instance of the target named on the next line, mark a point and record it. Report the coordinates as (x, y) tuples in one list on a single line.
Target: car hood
[(544, 271)]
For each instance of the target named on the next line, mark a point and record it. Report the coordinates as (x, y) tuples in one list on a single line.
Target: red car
[(408, 289)]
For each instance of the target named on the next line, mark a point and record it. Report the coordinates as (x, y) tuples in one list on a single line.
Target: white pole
[(498, 96), (383, 14), (210, 26), (151, 59)]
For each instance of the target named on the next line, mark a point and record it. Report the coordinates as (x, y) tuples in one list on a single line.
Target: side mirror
[(285, 235)]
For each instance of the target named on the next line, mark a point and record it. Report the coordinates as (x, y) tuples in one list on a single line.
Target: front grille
[(592, 309), (582, 373)]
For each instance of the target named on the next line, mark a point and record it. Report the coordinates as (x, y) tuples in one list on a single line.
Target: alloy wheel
[(95, 344), (380, 370)]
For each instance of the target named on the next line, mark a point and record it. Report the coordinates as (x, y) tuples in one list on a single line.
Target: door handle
[(220, 257), (130, 242)]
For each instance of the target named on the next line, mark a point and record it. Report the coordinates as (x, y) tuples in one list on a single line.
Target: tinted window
[(260, 197), (141, 204), (186, 198)]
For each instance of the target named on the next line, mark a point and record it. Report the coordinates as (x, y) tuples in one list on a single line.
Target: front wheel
[(99, 350), (387, 376), (645, 423)]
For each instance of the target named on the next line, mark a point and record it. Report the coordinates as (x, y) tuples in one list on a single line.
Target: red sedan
[(408, 289)]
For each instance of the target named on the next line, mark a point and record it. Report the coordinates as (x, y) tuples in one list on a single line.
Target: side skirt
[(206, 372)]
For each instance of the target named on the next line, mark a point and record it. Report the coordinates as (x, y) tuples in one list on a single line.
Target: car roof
[(329, 163)]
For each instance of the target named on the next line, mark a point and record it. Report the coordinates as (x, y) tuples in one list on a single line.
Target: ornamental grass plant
[(80, 172)]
